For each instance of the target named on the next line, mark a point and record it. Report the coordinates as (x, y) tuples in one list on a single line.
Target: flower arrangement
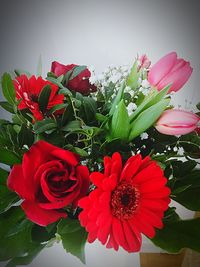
[(88, 157)]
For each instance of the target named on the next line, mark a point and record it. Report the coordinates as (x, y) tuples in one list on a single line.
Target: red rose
[(48, 180), (78, 84), (28, 91)]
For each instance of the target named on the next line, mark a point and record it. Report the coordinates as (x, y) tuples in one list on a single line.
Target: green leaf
[(73, 237), (33, 250), (44, 125), (117, 99), (198, 106), (72, 126), (64, 91), (149, 101), (59, 84), (89, 109), (76, 71), (43, 234), (13, 245), (133, 77), (189, 197), (179, 234), (3, 176), (44, 96), (8, 89), (80, 152), (9, 157), (7, 106), (147, 118), (120, 123), (25, 136), (7, 199), (56, 108), (191, 145)]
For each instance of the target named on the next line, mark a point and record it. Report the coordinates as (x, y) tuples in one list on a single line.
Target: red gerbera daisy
[(28, 91), (127, 201)]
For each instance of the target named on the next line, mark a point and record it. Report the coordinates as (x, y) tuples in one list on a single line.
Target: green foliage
[(44, 125), (73, 237), (8, 89), (147, 118), (178, 234), (44, 96), (120, 126)]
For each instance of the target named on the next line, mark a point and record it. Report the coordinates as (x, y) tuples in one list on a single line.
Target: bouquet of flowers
[(87, 157)]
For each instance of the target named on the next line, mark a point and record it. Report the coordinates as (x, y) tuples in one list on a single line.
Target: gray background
[(99, 33)]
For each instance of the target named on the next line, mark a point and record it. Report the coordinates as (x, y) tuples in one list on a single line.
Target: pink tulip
[(177, 122), (170, 70), (144, 62)]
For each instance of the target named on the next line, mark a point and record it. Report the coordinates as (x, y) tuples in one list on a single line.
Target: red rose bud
[(48, 180), (128, 200), (79, 83), (177, 122), (170, 70), (28, 91)]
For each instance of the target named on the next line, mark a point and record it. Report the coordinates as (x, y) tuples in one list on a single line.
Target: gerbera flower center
[(124, 201)]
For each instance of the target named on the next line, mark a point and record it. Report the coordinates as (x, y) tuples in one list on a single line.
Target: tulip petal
[(162, 68)]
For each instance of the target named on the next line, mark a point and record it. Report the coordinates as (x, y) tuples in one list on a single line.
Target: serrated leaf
[(179, 234), (43, 98), (73, 237), (44, 125), (189, 197), (8, 89), (147, 118)]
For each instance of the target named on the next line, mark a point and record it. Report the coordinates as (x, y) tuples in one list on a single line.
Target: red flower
[(48, 180), (28, 91), (128, 201), (79, 83)]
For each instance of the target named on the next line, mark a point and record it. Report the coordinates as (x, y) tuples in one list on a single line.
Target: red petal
[(157, 204), (107, 165), (143, 226), (97, 178), (152, 171), (17, 183), (131, 167), (65, 155), (41, 216), (131, 238), (151, 217), (118, 233), (153, 185), (161, 193)]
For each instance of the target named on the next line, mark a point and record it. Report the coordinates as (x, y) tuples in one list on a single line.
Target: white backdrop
[(99, 33)]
